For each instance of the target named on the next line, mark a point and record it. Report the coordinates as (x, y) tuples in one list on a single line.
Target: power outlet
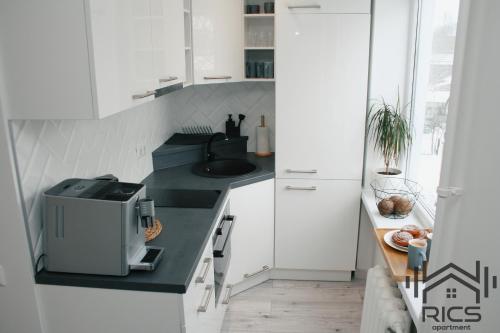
[(140, 151), (3, 279)]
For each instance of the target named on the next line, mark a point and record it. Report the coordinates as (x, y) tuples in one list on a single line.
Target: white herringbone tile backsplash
[(210, 104), (48, 152)]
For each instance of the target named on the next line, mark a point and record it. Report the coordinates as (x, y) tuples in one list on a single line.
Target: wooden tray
[(397, 261)]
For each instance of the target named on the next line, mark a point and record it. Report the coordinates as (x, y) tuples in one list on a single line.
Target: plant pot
[(380, 173)]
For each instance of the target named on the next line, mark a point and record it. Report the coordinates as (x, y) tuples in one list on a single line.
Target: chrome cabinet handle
[(300, 188), (168, 79), (203, 277), (301, 171), (218, 77), (264, 268), (146, 94), (229, 289), (304, 6), (204, 306)]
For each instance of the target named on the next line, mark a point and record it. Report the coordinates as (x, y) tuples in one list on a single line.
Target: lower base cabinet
[(317, 224), (314, 236), (198, 304), (83, 310), (252, 240)]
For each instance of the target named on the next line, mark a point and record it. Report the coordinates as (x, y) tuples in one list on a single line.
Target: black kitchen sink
[(221, 168), (184, 198)]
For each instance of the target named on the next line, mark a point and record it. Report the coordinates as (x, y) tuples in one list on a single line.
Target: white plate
[(388, 241)]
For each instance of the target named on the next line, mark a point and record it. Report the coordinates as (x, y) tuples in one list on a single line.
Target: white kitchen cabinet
[(321, 94), (121, 58), (317, 224), (252, 240), (168, 40), (325, 6), (199, 301), (217, 41), (87, 59), (125, 311)]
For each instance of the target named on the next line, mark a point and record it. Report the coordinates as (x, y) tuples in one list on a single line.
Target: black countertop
[(185, 233)]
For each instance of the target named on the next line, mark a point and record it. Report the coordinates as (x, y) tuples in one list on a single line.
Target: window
[(435, 45)]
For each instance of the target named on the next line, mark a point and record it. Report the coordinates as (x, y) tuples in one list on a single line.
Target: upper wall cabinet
[(168, 41), (88, 59), (325, 6), (217, 41)]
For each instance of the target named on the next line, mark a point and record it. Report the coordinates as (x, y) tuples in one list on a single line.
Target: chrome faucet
[(210, 154)]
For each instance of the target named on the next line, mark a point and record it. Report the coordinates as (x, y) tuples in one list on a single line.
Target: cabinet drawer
[(317, 224), (324, 6), (199, 300)]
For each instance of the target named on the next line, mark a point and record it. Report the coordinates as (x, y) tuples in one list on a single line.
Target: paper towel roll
[(263, 149)]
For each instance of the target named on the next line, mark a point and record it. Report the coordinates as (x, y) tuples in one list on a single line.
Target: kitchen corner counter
[(186, 231)]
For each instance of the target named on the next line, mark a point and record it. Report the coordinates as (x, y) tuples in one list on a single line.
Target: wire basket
[(395, 197)]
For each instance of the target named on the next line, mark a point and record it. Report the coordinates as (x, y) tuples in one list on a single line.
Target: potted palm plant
[(391, 134)]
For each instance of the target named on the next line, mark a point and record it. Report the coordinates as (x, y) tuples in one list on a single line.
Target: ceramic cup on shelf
[(253, 9), (268, 69), (417, 249), (259, 69), (268, 7), (250, 69)]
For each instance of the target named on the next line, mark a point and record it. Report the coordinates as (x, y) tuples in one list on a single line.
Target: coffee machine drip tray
[(146, 259)]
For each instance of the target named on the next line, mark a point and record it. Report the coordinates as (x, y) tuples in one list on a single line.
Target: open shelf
[(260, 79), (259, 47), (263, 15), (258, 43)]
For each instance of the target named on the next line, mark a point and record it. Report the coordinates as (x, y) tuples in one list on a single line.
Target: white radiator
[(383, 309)]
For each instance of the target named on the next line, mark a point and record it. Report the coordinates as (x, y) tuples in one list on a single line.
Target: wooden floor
[(283, 306)]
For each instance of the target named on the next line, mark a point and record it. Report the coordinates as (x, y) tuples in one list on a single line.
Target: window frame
[(423, 19)]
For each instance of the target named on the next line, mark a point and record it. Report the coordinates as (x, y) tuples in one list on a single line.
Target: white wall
[(391, 56), (210, 104), (18, 303)]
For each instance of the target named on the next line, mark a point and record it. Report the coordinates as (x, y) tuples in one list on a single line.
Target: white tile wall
[(210, 104), (50, 151)]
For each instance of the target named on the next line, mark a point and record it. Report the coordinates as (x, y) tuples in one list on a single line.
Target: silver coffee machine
[(97, 227)]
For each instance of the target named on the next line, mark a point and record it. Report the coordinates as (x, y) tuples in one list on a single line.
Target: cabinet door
[(45, 60), (324, 6), (321, 95), (252, 240), (317, 224), (167, 21), (122, 54), (217, 41)]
